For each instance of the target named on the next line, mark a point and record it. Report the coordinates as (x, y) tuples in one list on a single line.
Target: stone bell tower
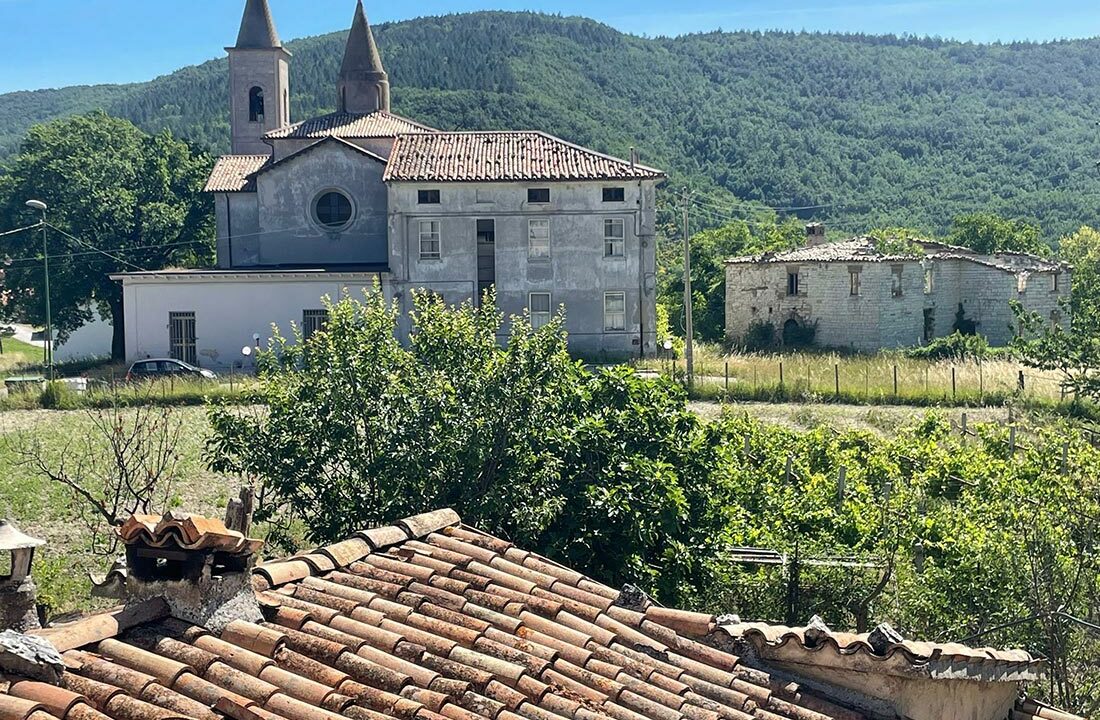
[(259, 81), (364, 86)]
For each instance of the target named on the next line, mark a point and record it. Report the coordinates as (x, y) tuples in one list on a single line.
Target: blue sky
[(52, 43)]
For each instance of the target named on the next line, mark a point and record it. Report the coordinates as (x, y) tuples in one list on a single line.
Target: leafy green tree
[(987, 233), (1072, 351), (709, 251), (135, 197), (601, 470)]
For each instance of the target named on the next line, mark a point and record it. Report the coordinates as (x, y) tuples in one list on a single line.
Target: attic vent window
[(614, 194), (538, 195), (427, 197)]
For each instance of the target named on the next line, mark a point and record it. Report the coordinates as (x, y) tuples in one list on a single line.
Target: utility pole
[(48, 347), (689, 329)]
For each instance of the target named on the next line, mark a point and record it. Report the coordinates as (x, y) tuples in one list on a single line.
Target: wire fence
[(868, 380)]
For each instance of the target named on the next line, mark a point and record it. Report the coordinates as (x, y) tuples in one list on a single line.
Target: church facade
[(364, 199)]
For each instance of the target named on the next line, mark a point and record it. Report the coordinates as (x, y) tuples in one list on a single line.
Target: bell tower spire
[(364, 85), (259, 81)]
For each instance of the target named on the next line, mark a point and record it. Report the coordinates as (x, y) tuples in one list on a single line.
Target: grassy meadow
[(863, 379)]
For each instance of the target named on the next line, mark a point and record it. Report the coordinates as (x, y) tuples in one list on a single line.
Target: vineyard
[(987, 537)]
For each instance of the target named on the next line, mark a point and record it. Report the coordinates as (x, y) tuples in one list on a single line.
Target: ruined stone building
[(859, 297), (362, 198)]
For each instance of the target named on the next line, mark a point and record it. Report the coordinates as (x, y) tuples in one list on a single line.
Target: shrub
[(57, 396), (798, 335), (956, 346), (760, 337)]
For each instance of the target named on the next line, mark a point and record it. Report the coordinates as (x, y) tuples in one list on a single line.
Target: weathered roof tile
[(504, 156)]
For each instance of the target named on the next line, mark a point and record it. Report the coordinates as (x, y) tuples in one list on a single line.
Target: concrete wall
[(288, 234), (266, 69), (228, 310), (577, 274), (877, 318)]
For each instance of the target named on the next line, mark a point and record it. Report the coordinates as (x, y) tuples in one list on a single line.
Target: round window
[(333, 210)]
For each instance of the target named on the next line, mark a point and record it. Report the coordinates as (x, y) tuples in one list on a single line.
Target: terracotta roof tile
[(350, 125), (503, 156), (234, 173), (393, 632)]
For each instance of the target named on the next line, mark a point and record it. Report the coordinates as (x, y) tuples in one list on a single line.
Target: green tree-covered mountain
[(886, 131)]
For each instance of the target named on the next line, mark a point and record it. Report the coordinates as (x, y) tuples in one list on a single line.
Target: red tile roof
[(425, 620), (233, 173), (349, 125), (502, 157)]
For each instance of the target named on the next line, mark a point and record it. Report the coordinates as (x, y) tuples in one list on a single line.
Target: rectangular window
[(427, 197), (538, 195), (538, 239), (313, 321), (793, 284), (1054, 282), (614, 194), (929, 281), (854, 278), (429, 239), (181, 336), (614, 311), (538, 304), (614, 238), (895, 281), (1021, 283)]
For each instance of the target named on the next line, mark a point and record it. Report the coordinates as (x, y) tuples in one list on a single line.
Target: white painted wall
[(90, 342), (229, 309)]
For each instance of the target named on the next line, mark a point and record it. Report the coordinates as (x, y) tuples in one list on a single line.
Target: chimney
[(633, 157), (18, 593), (815, 234), (201, 568)]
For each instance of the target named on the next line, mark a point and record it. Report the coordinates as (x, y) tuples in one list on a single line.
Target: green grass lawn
[(19, 355), (46, 510)]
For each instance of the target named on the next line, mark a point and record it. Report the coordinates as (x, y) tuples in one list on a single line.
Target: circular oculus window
[(333, 210)]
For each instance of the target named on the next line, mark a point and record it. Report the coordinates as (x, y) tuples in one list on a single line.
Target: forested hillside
[(884, 131)]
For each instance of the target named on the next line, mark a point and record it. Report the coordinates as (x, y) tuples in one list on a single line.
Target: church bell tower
[(364, 86), (259, 81)]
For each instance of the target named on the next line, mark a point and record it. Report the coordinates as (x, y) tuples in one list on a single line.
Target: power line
[(94, 248)]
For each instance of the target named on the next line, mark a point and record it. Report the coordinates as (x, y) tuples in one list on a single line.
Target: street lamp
[(42, 207)]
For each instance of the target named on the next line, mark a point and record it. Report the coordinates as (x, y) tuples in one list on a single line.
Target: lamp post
[(42, 207)]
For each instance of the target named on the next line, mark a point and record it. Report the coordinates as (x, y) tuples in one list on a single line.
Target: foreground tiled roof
[(502, 157), (233, 173), (424, 620), (350, 125)]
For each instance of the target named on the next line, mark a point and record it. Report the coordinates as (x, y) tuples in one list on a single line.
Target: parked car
[(161, 368)]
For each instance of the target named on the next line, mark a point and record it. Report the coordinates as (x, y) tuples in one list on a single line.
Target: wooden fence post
[(981, 381), (841, 483), (1020, 382), (965, 430), (836, 378), (780, 374), (787, 470), (748, 446), (1065, 458), (727, 376), (1012, 440), (895, 380), (954, 387)]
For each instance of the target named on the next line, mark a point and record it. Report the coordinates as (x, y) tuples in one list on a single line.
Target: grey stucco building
[(862, 298), (363, 197)]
